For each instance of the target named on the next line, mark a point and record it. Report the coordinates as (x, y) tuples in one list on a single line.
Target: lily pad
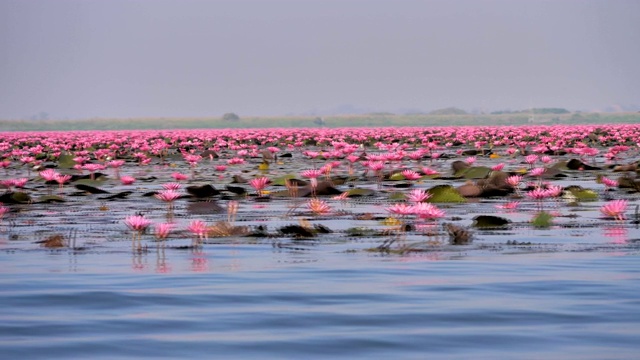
[(397, 196), (89, 182), (396, 177), (65, 161), (281, 180), (476, 172), (489, 221), (579, 193), (360, 192), (542, 220), (47, 199), (19, 198), (444, 194)]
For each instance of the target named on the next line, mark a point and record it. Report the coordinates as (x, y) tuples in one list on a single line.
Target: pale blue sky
[(131, 58)]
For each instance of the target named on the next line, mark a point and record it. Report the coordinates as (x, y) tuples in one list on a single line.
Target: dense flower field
[(417, 189)]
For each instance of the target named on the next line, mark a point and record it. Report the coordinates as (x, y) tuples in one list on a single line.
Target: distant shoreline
[(366, 120)]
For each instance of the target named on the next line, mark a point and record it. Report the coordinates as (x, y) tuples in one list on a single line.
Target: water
[(318, 301)]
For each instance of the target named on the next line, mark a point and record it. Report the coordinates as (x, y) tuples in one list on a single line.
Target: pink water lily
[(615, 209)]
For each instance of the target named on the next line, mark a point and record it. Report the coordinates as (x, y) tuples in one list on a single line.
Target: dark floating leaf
[(489, 221), (458, 235), (575, 164), (321, 229), (118, 196), (238, 190), (209, 154), (360, 192), (204, 208), (296, 231), (203, 191), (476, 172), (90, 189), (15, 198), (47, 199)]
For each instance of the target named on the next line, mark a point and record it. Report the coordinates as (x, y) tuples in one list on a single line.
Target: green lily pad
[(20, 197), (97, 182), (578, 193), (280, 181), (475, 172), (360, 192), (65, 161), (51, 199), (489, 221), (397, 196), (542, 220), (396, 177), (444, 194)]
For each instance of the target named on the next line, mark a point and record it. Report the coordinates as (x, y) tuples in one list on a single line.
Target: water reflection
[(617, 233)]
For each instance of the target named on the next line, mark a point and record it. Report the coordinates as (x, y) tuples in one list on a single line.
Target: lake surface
[(312, 300)]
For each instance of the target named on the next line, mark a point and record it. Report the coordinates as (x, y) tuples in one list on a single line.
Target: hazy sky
[(131, 58)]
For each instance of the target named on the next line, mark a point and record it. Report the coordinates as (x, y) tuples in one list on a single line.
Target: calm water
[(311, 300)]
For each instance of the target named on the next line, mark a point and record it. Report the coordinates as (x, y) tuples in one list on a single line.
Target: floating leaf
[(476, 172), (396, 177), (542, 220), (578, 193), (281, 181), (89, 182), (360, 192), (397, 196), (444, 194), (489, 221), (51, 199), (65, 161), (20, 197)]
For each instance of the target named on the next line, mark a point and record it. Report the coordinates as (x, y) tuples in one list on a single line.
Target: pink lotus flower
[(179, 176), (427, 211), (318, 207), (514, 180), (198, 228), (20, 182), (428, 171), (127, 180), (343, 196), (167, 195), (609, 182), (615, 209), (311, 174), (115, 163), (235, 161), (162, 230), (259, 184), (137, 223), (418, 195), (49, 174), (171, 186), (400, 209), (221, 167), (537, 194), (537, 172), (410, 175), (531, 159), (546, 159), (498, 167), (3, 210), (470, 160), (62, 179), (509, 206), (554, 191)]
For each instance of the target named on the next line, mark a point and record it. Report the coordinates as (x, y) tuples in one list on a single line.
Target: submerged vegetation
[(411, 190)]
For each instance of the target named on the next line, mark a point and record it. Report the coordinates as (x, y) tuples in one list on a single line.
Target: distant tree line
[(534, 111)]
